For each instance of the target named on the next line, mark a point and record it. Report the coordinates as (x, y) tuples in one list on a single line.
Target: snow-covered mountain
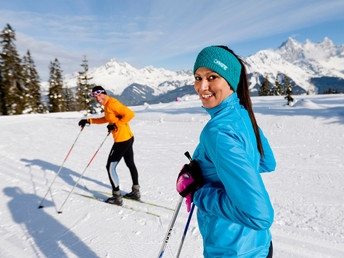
[(313, 67), (117, 76), (307, 64)]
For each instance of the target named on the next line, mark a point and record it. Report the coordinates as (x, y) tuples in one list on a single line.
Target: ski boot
[(134, 194), (116, 198)]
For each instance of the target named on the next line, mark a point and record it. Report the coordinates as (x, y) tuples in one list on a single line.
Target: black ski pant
[(270, 251), (119, 150)]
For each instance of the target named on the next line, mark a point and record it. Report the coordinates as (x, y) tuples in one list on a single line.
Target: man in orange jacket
[(118, 117)]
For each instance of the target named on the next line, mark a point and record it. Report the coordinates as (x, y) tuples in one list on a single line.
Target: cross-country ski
[(125, 206), (130, 199)]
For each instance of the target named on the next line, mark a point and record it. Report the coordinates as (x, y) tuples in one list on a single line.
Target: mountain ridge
[(300, 61), (311, 66)]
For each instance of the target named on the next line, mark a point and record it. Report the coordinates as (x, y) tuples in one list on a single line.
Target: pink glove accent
[(183, 181), (188, 202)]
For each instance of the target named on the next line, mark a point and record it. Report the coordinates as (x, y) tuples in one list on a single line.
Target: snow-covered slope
[(306, 189)]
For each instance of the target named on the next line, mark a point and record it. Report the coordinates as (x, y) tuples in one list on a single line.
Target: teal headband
[(222, 62)]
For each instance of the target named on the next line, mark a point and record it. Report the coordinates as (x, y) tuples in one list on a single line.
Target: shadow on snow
[(48, 234)]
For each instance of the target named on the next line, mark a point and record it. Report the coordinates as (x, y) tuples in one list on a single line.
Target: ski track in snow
[(306, 189)]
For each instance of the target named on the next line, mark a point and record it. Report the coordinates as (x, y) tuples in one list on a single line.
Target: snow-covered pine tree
[(288, 86), (31, 81), (84, 87), (265, 89), (12, 91), (70, 99), (278, 89), (56, 95)]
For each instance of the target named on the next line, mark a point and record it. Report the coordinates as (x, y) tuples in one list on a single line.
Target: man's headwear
[(98, 90)]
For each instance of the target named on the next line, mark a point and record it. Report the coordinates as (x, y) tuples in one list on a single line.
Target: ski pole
[(58, 172), (185, 230), (77, 181), (174, 217), (187, 154), (170, 227)]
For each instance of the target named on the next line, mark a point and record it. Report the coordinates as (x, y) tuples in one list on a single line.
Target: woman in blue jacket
[(234, 209)]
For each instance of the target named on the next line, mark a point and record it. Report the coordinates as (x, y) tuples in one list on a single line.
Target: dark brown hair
[(245, 99)]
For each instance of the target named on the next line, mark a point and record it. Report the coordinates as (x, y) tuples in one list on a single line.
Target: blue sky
[(162, 33)]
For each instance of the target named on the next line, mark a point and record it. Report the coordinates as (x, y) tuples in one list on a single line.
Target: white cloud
[(44, 52)]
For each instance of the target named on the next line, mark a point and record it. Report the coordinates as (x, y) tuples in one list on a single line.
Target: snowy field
[(307, 188)]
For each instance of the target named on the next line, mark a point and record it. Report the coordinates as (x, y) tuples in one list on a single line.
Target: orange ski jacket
[(116, 113)]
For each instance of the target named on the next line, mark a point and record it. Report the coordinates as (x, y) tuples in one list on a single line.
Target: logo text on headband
[(224, 67)]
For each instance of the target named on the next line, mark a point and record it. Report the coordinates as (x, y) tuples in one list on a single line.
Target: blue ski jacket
[(234, 209)]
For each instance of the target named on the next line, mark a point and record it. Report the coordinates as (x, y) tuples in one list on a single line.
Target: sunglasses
[(97, 92)]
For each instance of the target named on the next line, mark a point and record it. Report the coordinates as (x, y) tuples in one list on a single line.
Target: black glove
[(111, 127), (83, 122), (189, 180)]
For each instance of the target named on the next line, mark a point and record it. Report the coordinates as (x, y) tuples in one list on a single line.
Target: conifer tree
[(278, 89), (12, 91), (265, 89), (69, 100), (56, 95), (288, 89), (32, 86), (83, 97)]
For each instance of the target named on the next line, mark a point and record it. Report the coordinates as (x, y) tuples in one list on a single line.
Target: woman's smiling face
[(211, 87)]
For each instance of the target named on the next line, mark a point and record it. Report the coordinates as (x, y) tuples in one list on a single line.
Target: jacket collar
[(228, 102), (106, 100)]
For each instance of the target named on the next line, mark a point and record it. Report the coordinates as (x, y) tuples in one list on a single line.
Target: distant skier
[(118, 117)]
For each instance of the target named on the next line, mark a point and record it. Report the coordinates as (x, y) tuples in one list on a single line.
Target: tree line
[(20, 86), (283, 87)]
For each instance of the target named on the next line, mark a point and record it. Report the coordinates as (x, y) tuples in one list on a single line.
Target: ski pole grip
[(187, 154)]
